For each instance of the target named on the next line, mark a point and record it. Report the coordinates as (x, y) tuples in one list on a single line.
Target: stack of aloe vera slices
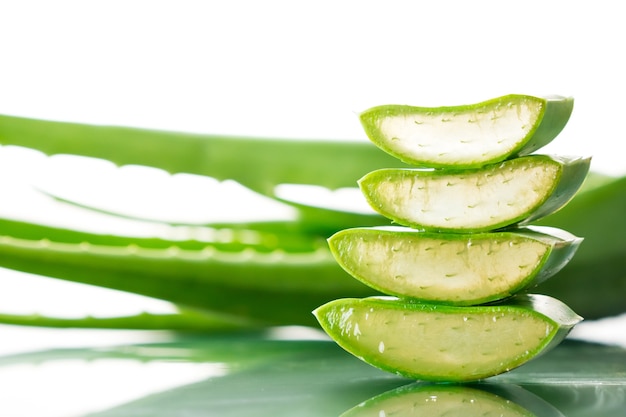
[(459, 262)]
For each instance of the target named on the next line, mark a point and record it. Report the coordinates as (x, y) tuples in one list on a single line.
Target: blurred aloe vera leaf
[(224, 239), (236, 350), (259, 164), (594, 282), (311, 222), (269, 287), (183, 321)]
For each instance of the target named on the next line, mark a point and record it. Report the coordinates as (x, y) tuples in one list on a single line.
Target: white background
[(304, 69)]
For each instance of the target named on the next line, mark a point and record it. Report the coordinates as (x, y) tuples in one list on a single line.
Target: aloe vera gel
[(444, 343), (467, 135), (458, 267)]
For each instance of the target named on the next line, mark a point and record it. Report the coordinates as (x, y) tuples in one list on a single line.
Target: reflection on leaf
[(270, 377), (454, 400)]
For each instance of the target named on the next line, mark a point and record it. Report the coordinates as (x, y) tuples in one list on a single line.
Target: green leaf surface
[(267, 162), (594, 282), (274, 287), (269, 377), (182, 321)]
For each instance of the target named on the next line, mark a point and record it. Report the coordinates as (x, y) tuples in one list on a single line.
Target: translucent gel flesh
[(438, 344), (453, 137), (440, 269), (476, 200)]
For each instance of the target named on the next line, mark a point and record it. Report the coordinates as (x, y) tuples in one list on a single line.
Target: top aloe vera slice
[(459, 269), (446, 343), (470, 135), (519, 190)]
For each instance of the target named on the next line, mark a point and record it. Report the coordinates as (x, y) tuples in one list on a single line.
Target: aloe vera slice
[(460, 269), (469, 135), (519, 190), (446, 343)]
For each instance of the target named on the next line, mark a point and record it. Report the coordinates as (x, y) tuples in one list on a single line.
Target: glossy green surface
[(263, 376)]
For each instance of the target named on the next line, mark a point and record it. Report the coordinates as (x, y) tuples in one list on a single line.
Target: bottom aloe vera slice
[(446, 343), (519, 190), (460, 269)]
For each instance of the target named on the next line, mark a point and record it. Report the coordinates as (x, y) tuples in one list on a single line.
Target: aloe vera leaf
[(310, 222), (594, 282), (446, 343), (444, 400), (181, 322), (467, 136), (226, 238), (275, 287), (259, 164), (517, 191), (457, 269)]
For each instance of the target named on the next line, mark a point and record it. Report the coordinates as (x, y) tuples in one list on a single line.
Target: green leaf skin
[(226, 238), (446, 343), (517, 191), (268, 287), (184, 321), (312, 223), (594, 282), (457, 269), (467, 136), (258, 163)]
